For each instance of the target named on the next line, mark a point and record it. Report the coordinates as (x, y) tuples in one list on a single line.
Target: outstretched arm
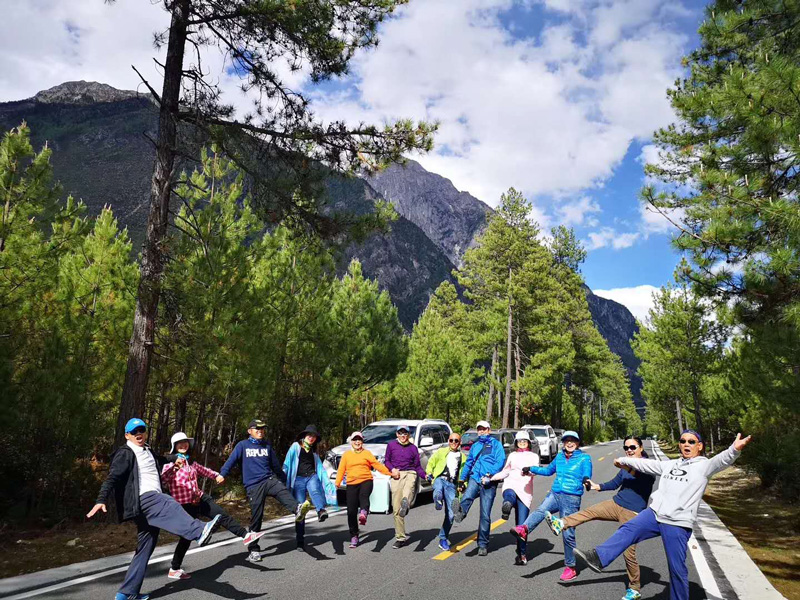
[(643, 465), (727, 457)]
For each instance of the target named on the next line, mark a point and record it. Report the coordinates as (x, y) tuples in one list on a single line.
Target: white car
[(428, 434), (546, 438)]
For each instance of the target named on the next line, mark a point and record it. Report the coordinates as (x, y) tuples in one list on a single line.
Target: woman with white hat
[(518, 486), (180, 476)]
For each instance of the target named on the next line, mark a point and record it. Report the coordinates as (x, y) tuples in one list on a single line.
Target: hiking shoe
[(437, 502), (178, 574), (521, 561), (568, 574), (362, 517), (302, 510), (458, 513), (121, 596), (403, 508), (556, 524), (205, 537), (482, 551), (506, 510), (253, 536), (254, 556), (301, 547), (322, 514), (444, 545), (591, 559), (520, 532), (399, 543), (631, 594), (354, 541)]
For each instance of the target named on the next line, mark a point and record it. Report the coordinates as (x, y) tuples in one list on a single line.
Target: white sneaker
[(253, 536), (254, 556), (178, 574)]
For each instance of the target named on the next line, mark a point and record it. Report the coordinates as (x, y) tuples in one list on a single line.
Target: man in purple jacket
[(402, 459)]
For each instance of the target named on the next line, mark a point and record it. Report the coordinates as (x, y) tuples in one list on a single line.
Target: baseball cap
[(133, 424), (356, 434), (402, 428), (570, 434), (256, 423), (484, 424)]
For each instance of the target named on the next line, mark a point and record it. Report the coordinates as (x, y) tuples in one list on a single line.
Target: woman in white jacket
[(518, 486), (673, 507)]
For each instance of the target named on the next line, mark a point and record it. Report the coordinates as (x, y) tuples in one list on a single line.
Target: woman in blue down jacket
[(571, 467)]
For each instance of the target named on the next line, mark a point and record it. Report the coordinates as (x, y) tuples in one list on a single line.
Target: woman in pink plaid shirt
[(181, 478)]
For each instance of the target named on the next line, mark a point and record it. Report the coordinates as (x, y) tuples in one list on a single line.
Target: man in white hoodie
[(673, 507)]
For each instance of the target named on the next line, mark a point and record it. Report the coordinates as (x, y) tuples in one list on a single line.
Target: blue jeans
[(445, 491), (313, 487), (565, 504), (643, 527), (521, 511), (487, 494)]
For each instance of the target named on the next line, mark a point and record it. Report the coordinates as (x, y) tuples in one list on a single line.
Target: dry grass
[(29, 550), (767, 527)]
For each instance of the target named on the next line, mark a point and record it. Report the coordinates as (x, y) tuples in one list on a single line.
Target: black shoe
[(403, 508), (591, 559), (399, 543), (506, 510), (458, 514), (322, 515), (482, 551)]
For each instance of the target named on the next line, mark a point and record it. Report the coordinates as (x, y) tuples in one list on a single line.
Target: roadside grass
[(767, 527), (30, 549)]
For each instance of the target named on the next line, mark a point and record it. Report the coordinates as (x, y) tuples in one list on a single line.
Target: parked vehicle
[(546, 438), (559, 433), (428, 434), (504, 436)]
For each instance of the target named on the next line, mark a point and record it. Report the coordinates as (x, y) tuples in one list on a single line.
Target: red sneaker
[(362, 517), (569, 574), (520, 532)]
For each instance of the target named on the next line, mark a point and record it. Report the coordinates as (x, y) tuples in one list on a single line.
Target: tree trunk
[(680, 414), (152, 265), (490, 402), (516, 398), (581, 406), (508, 356), (697, 414)]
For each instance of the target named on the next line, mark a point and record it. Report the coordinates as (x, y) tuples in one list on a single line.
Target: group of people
[(163, 493)]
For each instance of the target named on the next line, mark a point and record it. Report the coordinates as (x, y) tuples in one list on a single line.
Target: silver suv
[(546, 438), (428, 434)]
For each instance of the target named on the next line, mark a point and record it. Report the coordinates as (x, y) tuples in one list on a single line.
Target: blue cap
[(133, 424), (571, 434), (402, 428)]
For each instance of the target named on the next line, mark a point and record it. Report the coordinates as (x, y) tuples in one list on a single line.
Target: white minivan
[(428, 434), (546, 438)]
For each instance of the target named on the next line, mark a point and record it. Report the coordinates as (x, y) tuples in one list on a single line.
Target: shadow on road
[(207, 580)]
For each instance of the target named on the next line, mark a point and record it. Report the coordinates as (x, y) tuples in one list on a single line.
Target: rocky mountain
[(451, 219), (101, 154)]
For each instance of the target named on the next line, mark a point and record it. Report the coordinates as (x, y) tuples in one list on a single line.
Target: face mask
[(306, 446)]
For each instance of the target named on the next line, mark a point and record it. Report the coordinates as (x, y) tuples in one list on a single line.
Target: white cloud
[(608, 236), (576, 213), (638, 299)]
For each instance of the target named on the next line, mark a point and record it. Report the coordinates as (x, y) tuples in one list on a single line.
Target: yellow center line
[(448, 553), (601, 458)]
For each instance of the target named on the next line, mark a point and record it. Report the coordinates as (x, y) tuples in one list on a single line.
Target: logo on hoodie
[(256, 452), (676, 474)]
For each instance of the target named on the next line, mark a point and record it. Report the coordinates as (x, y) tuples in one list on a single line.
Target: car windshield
[(471, 436), (383, 434), (539, 432)]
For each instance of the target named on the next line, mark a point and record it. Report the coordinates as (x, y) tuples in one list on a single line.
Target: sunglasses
[(451, 440), (138, 430), (690, 442), (634, 447), (402, 433)]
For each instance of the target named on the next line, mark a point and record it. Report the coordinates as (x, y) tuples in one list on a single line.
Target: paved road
[(331, 571)]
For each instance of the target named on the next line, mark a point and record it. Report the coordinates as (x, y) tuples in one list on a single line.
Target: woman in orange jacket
[(355, 469)]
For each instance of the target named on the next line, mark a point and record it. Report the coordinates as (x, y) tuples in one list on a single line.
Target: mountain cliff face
[(451, 219), (101, 154)]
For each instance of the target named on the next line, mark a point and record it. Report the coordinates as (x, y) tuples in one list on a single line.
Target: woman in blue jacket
[(306, 475), (571, 467)]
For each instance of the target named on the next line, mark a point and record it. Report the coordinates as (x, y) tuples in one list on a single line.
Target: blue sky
[(557, 98)]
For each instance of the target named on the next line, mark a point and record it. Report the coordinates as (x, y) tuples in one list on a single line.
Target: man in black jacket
[(134, 477)]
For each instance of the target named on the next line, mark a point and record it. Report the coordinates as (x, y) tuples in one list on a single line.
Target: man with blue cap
[(572, 468), (135, 479)]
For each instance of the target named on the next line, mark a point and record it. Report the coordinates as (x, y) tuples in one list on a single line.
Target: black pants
[(210, 509), (357, 496), (257, 496)]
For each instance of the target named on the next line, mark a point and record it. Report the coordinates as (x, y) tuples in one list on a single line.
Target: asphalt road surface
[(329, 570)]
